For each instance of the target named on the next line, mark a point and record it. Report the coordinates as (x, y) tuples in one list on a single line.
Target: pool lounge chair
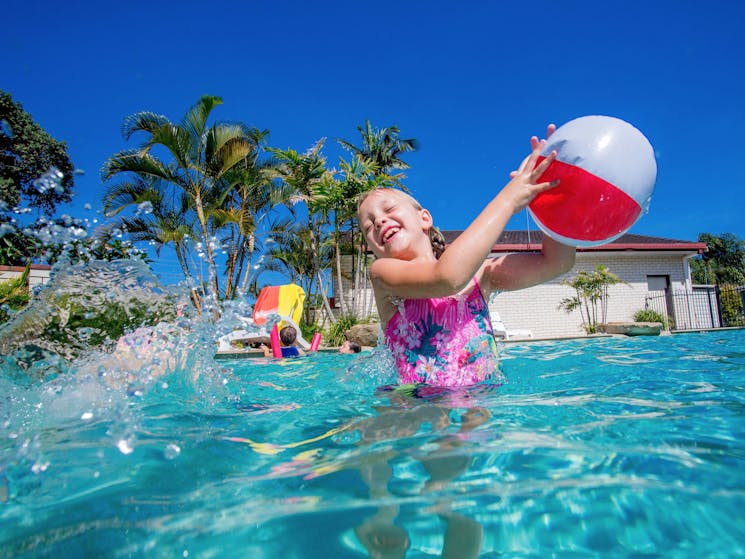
[(501, 331), (282, 301)]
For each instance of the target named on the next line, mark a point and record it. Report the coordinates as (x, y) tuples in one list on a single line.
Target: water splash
[(51, 180), (5, 128)]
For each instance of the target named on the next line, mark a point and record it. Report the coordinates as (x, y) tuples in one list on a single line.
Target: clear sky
[(472, 81)]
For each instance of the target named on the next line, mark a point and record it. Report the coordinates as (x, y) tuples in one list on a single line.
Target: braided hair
[(436, 238)]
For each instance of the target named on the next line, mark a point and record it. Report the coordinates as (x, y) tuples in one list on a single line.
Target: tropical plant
[(240, 214), (35, 174), (382, 147), (27, 152), (649, 315), (300, 175), (291, 254), (198, 162), (337, 332), (14, 294), (731, 298), (591, 296), (16, 246), (723, 262), (338, 199)]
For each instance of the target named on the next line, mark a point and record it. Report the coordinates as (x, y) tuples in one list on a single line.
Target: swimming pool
[(608, 446)]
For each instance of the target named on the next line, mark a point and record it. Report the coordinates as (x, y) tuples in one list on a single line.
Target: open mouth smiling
[(389, 233)]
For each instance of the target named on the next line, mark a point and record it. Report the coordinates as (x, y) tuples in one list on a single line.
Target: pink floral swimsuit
[(445, 341)]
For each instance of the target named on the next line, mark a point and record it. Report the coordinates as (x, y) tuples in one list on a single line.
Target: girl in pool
[(432, 301)]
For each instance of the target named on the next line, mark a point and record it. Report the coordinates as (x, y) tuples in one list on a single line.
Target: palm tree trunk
[(230, 264), (337, 259), (317, 266), (210, 253), (251, 246)]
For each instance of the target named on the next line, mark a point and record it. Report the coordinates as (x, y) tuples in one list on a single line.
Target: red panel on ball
[(583, 207)]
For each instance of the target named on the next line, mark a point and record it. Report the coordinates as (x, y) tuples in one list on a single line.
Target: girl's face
[(393, 227)]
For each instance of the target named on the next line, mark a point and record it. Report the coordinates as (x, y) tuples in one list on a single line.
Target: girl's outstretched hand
[(550, 129), (523, 187)]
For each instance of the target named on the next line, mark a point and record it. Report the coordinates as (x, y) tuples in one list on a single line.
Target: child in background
[(350, 347), (432, 302), (287, 337)]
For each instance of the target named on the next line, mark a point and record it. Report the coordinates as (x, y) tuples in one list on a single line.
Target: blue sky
[(472, 81)]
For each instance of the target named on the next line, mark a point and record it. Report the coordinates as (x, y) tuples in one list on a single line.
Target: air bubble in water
[(125, 446), (39, 467), (172, 451)]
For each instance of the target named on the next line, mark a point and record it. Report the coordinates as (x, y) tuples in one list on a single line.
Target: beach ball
[(607, 171)]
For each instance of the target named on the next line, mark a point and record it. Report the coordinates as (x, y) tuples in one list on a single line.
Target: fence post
[(711, 312), (719, 304)]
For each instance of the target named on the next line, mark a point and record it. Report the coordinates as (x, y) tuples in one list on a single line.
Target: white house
[(648, 265), (37, 275)]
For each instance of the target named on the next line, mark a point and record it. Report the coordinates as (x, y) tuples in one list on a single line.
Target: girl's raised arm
[(424, 277)]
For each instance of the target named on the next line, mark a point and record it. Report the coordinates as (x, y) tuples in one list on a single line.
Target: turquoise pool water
[(609, 447)]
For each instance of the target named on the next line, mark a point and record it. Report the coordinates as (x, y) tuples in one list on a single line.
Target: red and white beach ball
[(607, 171)]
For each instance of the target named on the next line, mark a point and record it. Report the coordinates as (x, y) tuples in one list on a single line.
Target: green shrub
[(336, 334), (731, 303), (14, 294), (308, 330), (648, 315)]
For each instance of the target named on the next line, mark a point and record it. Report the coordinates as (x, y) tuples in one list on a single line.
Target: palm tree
[(382, 147), (160, 223), (163, 222), (300, 175), (292, 255), (591, 291), (241, 211), (338, 199), (199, 159)]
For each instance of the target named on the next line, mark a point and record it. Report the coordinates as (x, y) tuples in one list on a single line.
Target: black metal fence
[(706, 306)]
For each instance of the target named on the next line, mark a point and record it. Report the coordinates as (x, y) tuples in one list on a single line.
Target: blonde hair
[(436, 238)]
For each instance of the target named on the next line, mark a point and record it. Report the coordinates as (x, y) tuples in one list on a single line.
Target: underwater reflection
[(384, 535)]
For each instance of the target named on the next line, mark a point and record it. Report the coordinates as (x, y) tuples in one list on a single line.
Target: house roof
[(530, 241), (5, 268)]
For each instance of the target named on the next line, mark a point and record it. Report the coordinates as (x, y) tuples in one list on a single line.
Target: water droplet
[(124, 446), (172, 451), (144, 208), (39, 467)]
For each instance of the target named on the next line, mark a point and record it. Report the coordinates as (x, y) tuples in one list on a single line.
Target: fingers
[(550, 130), (539, 169), (547, 185)]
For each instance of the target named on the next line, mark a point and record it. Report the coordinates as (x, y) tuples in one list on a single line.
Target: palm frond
[(143, 165), (144, 121), (195, 120), (117, 197)]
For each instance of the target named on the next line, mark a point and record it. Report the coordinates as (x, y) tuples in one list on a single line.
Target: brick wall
[(536, 308), (38, 274)]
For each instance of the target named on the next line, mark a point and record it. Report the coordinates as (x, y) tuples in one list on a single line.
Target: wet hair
[(354, 346), (436, 238), (287, 335)]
